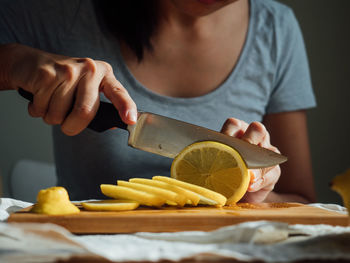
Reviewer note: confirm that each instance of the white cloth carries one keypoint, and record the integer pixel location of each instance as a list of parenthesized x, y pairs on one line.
[(250, 241), (9, 205)]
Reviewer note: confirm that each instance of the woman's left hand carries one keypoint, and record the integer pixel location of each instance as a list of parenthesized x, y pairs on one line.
[(265, 178)]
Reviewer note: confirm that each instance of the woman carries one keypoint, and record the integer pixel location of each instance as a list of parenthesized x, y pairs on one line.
[(235, 66)]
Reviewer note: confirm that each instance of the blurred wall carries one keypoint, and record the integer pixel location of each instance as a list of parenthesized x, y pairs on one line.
[(21, 137), (325, 26), (326, 31)]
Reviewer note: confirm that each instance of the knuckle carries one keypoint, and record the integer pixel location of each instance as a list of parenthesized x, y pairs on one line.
[(89, 64), (46, 75), (53, 118), (69, 71), (36, 111), (118, 93), (258, 126), (83, 112), (108, 68), (117, 90), (234, 121)]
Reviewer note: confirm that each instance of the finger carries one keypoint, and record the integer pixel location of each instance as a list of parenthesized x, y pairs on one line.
[(44, 82), (265, 178), (60, 103), (63, 96), (120, 98), (234, 127), (86, 103), (256, 133), (41, 99)]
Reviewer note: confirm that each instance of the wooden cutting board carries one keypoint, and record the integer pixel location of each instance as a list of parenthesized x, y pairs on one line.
[(170, 219)]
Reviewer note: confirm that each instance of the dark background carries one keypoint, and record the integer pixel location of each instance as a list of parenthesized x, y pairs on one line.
[(326, 30)]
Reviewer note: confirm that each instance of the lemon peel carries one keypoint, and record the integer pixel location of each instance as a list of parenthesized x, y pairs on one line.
[(110, 205), (54, 201), (122, 192), (171, 198), (214, 166), (207, 196)]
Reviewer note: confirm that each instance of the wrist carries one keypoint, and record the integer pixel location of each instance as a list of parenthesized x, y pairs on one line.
[(6, 63)]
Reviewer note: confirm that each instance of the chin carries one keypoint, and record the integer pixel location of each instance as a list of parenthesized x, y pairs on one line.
[(200, 7)]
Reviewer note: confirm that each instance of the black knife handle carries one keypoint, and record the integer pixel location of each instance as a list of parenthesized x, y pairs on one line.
[(107, 116)]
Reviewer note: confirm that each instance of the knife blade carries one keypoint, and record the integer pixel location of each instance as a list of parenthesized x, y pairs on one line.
[(167, 137)]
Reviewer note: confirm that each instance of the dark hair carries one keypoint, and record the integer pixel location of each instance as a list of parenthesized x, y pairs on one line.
[(133, 21)]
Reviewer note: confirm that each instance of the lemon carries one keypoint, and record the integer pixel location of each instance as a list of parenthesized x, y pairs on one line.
[(122, 192), (54, 201), (110, 205), (215, 166), (190, 197), (206, 196), (172, 198), (341, 184)]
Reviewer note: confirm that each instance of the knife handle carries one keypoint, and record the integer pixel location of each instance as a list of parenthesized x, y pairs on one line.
[(107, 116)]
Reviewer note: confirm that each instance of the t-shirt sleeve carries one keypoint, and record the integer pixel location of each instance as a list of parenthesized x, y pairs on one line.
[(292, 89), (38, 23), (7, 22), (17, 23)]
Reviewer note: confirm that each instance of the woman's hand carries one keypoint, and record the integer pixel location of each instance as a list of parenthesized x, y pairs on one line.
[(265, 178), (58, 82)]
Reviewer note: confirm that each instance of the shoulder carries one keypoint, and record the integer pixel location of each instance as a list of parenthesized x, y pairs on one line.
[(273, 10), (277, 16), (281, 24)]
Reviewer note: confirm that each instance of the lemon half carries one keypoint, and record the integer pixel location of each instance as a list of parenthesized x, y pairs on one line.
[(215, 166)]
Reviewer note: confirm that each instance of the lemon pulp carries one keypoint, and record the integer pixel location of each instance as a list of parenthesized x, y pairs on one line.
[(215, 166)]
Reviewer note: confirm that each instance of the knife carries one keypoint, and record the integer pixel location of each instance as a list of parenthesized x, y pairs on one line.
[(167, 137)]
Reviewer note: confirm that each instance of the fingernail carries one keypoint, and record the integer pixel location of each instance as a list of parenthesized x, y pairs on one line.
[(132, 115)]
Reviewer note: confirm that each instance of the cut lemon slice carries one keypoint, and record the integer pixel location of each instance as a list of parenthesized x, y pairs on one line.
[(215, 166), (172, 198), (110, 205), (190, 197), (121, 192), (207, 197)]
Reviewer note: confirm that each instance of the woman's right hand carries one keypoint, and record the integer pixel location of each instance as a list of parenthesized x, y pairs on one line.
[(57, 82)]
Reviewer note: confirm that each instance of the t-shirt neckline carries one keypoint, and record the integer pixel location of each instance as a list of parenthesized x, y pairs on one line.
[(219, 91)]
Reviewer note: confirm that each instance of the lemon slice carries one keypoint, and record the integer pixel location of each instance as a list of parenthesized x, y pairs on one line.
[(215, 166), (341, 184), (191, 197), (110, 205), (172, 198), (207, 197), (121, 192)]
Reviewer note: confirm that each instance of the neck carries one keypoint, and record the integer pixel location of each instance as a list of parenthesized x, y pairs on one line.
[(200, 27)]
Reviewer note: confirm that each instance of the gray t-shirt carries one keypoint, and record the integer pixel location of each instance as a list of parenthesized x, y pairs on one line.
[(270, 76)]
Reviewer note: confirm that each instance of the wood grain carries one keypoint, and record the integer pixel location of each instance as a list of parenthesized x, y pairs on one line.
[(170, 219)]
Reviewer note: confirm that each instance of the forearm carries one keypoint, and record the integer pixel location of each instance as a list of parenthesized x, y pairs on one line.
[(274, 197), (6, 61)]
